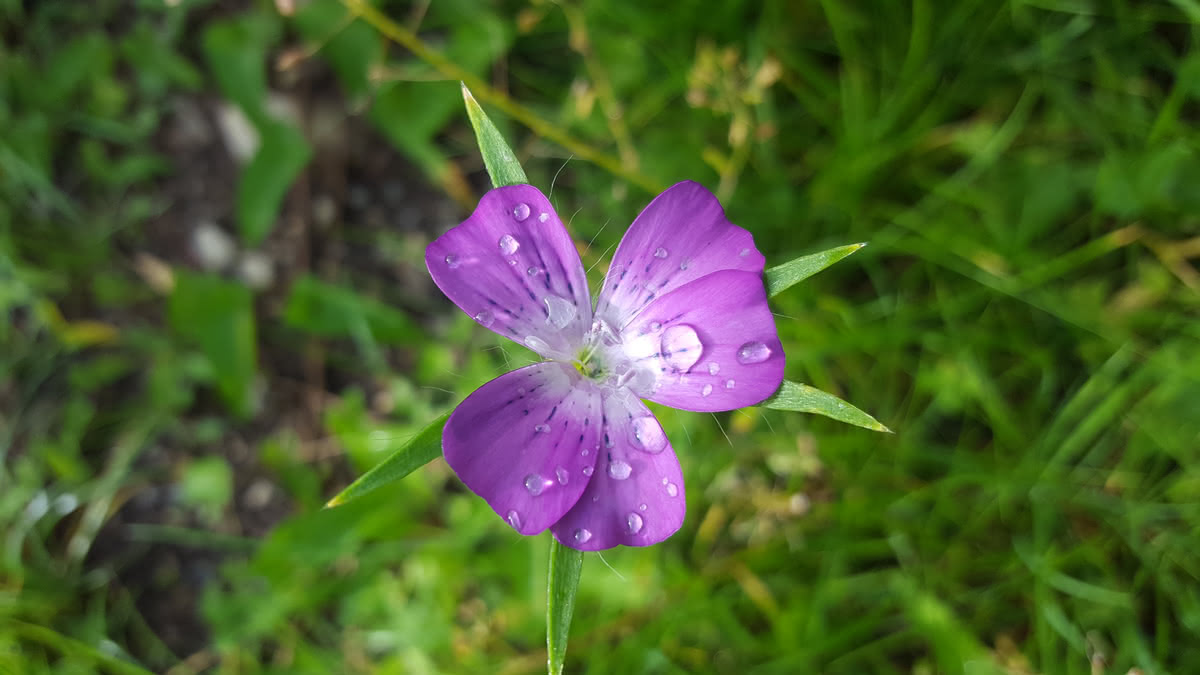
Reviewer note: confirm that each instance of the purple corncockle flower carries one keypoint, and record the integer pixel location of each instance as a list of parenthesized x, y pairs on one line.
[(681, 320)]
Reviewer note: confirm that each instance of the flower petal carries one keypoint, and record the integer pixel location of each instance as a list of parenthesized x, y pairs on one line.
[(679, 237), (636, 497), (514, 269), (711, 344), (527, 443)]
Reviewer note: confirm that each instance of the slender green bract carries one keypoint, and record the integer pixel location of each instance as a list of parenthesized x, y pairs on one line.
[(561, 584), (421, 450), (803, 398), (502, 165), (782, 277)]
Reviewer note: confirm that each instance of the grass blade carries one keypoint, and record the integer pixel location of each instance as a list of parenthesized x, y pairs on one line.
[(782, 277), (561, 584), (416, 453), (803, 398), (502, 165)]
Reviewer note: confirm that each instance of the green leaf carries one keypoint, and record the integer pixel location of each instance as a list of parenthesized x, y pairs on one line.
[(416, 453), (803, 398), (561, 584), (218, 316), (279, 160), (329, 310), (502, 165), (782, 277)]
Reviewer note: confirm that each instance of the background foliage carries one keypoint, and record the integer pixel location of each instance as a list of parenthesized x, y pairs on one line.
[(216, 315)]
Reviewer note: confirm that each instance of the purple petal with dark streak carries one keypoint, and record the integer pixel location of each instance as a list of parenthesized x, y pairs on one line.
[(636, 496), (526, 442), (712, 342), (513, 268), (679, 237)]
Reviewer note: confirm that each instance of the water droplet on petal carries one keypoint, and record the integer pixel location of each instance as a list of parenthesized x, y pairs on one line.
[(619, 470), (681, 346), (451, 260), (660, 253), (672, 490), (542, 428), (562, 475), (535, 484), (513, 262), (714, 368), (543, 217), (520, 212), (634, 523), (655, 326), (514, 519), (587, 470), (537, 344), (585, 452), (582, 535), (533, 271), (685, 264), (485, 317), (641, 507), (706, 390), (559, 311), (753, 352), (729, 384), (744, 252), (520, 391), (649, 434), (508, 244)]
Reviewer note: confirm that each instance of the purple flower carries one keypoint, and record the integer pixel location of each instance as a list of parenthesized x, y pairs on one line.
[(682, 320)]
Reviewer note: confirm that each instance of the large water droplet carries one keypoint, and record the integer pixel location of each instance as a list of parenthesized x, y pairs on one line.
[(508, 244), (587, 470), (714, 368), (543, 217), (649, 434), (706, 390), (451, 260), (681, 346), (619, 469), (560, 311), (660, 253), (753, 352), (729, 384), (542, 428), (537, 344), (582, 535), (485, 317), (562, 475), (534, 483), (633, 522), (514, 519), (520, 212), (672, 490)]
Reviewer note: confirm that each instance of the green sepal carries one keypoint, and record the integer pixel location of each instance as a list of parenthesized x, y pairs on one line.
[(803, 398), (561, 584), (416, 453), (502, 165), (782, 277)]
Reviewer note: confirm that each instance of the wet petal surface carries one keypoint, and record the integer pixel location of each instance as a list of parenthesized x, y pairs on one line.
[(679, 237), (527, 443), (513, 268), (712, 344), (636, 496)]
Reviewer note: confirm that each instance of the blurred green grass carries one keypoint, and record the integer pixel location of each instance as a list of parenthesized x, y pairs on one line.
[(1025, 319)]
